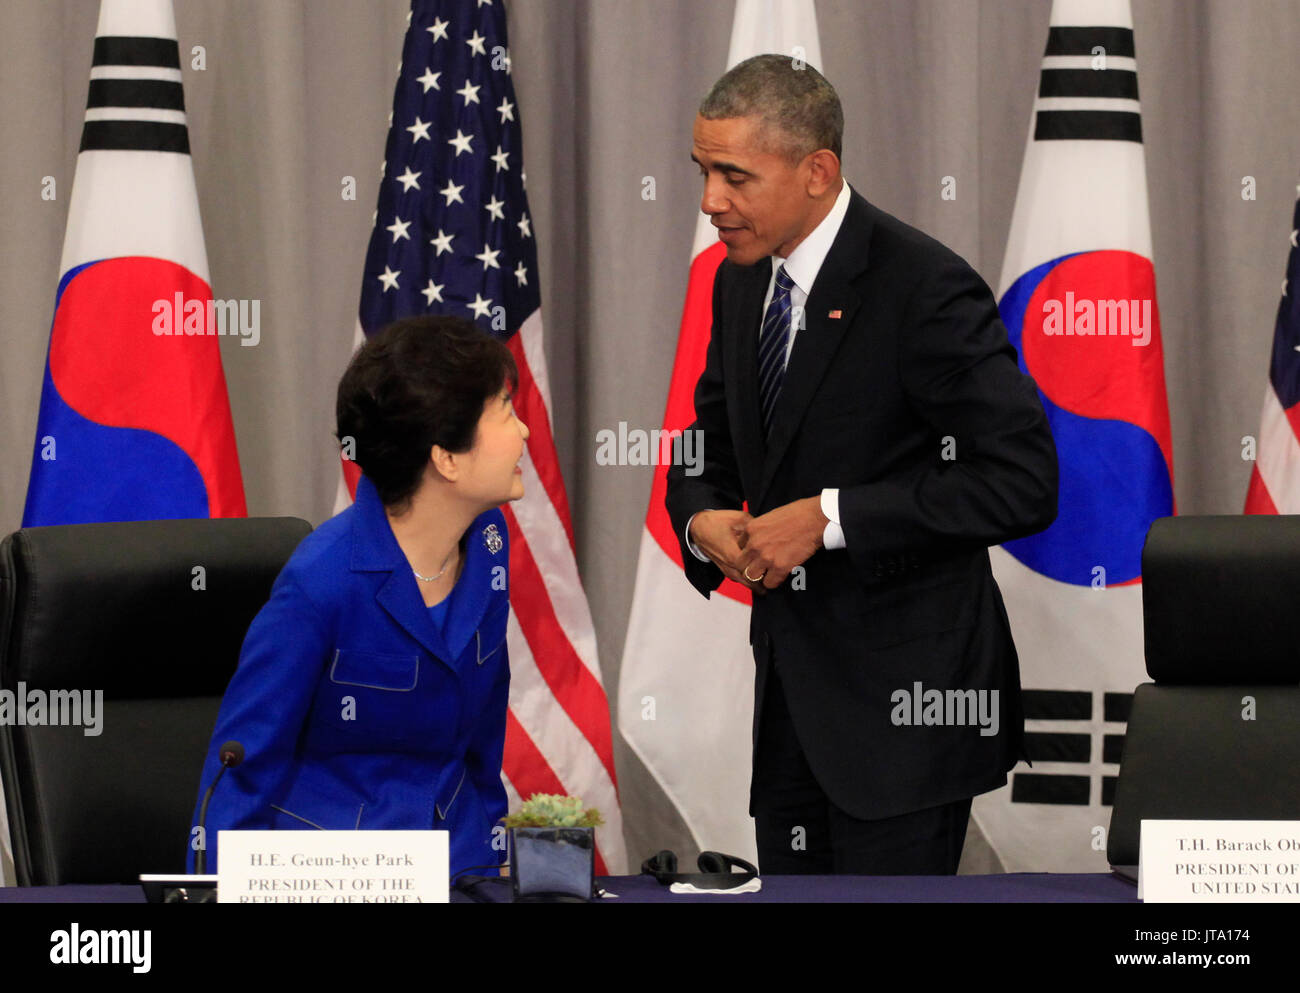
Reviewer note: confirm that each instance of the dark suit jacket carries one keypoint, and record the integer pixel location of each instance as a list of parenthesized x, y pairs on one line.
[(354, 710), (917, 366)]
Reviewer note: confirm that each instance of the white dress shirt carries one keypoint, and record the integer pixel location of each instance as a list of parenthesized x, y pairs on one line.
[(802, 267)]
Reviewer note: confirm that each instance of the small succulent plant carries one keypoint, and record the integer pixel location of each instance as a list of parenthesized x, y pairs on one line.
[(553, 810)]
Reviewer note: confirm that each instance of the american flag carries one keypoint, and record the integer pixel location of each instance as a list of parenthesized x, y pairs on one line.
[(1275, 478), (453, 235)]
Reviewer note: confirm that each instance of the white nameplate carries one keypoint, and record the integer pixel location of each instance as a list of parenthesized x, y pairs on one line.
[(1219, 862), (332, 867)]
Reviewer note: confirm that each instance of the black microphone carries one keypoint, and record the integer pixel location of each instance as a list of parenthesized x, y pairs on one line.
[(231, 754)]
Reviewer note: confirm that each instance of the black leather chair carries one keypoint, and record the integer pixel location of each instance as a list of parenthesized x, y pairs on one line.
[(1219, 595), (151, 613)]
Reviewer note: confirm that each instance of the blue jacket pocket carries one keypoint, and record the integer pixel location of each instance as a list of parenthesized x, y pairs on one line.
[(371, 698), (310, 803), (372, 670)]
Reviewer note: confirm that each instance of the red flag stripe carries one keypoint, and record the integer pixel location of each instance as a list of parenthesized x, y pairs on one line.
[(351, 473), (570, 681), (524, 762), (531, 408), (679, 412), (1258, 499)]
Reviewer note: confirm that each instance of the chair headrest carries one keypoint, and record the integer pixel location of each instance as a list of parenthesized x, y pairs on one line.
[(141, 609), (1218, 595)]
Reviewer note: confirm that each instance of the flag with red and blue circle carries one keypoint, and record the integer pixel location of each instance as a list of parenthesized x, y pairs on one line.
[(135, 421)]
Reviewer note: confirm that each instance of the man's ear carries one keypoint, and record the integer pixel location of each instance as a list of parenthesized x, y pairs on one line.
[(445, 463), (824, 170)]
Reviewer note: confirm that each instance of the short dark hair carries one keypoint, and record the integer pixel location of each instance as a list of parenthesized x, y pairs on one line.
[(798, 110), (419, 382)]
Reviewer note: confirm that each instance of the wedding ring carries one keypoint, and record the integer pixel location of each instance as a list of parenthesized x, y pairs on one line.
[(754, 579)]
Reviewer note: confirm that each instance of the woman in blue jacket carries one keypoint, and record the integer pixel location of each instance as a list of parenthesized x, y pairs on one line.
[(371, 689)]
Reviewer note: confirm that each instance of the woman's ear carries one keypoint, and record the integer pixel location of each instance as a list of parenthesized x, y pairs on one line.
[(445, 463)]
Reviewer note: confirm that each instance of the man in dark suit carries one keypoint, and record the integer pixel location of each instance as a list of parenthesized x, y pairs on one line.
[(867, 433)]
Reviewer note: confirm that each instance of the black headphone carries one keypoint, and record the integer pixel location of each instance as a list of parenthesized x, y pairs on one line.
[(715, 870)]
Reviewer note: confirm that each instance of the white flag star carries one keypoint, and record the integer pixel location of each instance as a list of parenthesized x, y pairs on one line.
[(521, 274), (419, 129), (506, 110), (480, 306), (475, 43), (488, 257), (501, 159), (452, 192), (439, 29), (433, 292), (524, 227), (430, 80), (408, 180), (442, 243), (470, 93), (389, 278), (398, 227), (461, 141), (494, 206)]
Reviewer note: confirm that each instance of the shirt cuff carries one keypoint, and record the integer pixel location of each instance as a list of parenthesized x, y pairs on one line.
[(690, 544), (833, 536)]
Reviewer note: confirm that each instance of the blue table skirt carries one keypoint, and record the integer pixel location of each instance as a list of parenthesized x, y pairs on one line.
[(1006, 888)]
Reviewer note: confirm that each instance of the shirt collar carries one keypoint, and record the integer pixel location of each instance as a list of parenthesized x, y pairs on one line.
[(806, 260)]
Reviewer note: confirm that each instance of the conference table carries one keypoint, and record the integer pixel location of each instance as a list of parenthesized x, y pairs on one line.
[(1019, 887)]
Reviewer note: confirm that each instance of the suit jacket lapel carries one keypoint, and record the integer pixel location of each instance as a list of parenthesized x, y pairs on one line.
[(746, 413), (817, 341), (401, 598), (375, 549), (470, 597)]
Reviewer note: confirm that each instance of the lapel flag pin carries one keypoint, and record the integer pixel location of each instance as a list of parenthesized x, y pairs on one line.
[(835, 315)]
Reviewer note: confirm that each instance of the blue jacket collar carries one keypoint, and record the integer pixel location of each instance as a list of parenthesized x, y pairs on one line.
[(375, 549)]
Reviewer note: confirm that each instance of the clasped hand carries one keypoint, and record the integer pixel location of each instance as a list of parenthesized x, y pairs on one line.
[(760, 552)]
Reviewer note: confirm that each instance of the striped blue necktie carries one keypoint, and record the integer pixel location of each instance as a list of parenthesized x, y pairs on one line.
[(772, 347)]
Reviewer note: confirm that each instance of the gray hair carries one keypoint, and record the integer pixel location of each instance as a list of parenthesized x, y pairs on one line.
[(798, 110)]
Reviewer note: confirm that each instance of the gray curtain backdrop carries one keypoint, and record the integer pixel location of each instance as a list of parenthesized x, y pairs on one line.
[(295, 96)]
